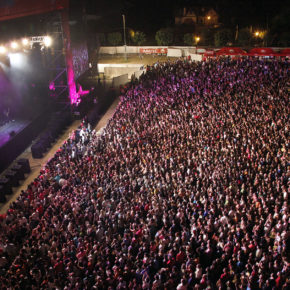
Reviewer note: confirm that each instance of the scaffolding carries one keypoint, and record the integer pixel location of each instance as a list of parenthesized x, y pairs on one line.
[(55, 59)]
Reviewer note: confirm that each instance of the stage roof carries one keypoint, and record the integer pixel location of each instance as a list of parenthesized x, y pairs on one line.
[(11, 9)]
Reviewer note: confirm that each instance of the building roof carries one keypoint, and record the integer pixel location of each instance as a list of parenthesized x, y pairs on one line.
[(195, 11)]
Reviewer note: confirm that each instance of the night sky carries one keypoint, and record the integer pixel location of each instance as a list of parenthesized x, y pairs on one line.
[(151, 15)]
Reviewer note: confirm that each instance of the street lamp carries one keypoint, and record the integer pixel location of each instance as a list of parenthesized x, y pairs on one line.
[(197, 39), (260, 35), (124, 28)]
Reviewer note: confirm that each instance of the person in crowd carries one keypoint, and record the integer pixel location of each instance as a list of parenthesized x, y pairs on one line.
[(186, 188)]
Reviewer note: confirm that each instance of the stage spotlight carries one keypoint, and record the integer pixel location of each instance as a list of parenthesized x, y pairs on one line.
[(25, 41), (14, 45), (18, 60), (2, 49), (47, 41)]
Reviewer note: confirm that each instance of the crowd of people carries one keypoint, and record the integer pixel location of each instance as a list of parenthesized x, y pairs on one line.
[(185, 188)]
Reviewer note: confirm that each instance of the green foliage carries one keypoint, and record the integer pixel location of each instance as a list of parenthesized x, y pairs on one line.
[(223, 37), (244, 37), (284, 39), (114, 38), (206, 36), (164, 37), (279, 29), (139, 37), (188, 39)]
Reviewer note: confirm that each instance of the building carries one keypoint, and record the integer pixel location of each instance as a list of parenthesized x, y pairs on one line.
[(200, 16)]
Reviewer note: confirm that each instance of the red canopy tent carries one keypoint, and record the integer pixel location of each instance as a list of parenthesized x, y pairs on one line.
[(285, 52), (231, 51), (209, 53), (262, 51)]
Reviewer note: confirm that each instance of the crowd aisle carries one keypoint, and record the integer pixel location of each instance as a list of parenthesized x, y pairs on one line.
[(186, 188)]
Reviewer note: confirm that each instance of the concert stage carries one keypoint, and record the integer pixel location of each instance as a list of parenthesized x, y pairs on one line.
[(16, 136), (10, 129)]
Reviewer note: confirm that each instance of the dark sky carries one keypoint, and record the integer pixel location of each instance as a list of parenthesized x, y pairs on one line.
[(151, 15)]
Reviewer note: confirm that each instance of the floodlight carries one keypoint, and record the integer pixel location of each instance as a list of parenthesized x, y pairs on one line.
[(19, 60), (14, 45), (25, 41), (47, 41), (2, 49)]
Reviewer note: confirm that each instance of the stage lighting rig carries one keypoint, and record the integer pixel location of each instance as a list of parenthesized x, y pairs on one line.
[(14, 45), (25, 41), (47, 41), (2, 49)]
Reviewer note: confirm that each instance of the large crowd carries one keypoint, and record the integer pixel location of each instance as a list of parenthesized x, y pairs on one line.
[(185, 188)]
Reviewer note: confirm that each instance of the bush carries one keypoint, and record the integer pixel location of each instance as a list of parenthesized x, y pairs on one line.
[(222, 37), (114, 38), (284, 39), (206, 36), (188, 39), (244, 37), (138, 37), (164, 37)]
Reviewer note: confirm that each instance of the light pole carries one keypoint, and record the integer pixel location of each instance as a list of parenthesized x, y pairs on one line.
[(124, 28)]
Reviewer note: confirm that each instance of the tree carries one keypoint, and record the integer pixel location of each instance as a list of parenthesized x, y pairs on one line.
[(164, 37), (101, 38), (244, 37), (207, 36), (280, 27), (138, 37), (284, 39), (188, 39), (222, 37), (114, 38)]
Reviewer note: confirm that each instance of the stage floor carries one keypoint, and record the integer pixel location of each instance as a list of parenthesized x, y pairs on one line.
[(13, 126)]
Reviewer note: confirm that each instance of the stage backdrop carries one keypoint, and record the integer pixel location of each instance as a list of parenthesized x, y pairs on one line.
[(80, 58), (10, 9)]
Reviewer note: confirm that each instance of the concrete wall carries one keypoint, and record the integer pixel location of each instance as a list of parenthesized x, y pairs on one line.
[(121, 49), (108, 50), (196, 57), (120, 80), (172, 52), (111, 72), (138, 73), (136, 49), (101, 66)]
